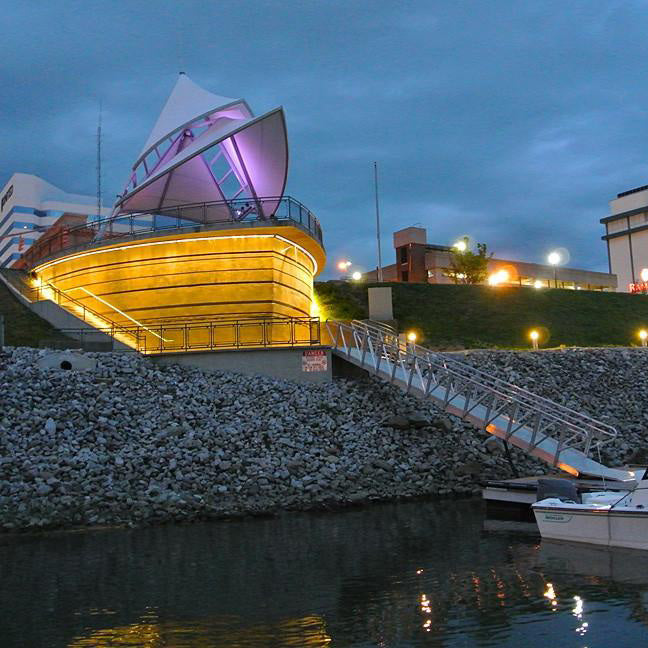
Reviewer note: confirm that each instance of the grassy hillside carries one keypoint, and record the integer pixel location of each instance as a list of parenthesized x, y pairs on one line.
[(483, 316), (22, 327)]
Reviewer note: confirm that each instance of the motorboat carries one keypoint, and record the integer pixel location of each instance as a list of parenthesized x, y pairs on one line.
[(609, 518)]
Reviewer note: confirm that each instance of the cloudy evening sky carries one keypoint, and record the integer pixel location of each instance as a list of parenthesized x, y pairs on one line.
[(512, 122)]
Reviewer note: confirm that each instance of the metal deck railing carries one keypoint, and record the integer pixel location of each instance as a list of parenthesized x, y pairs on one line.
[(191, 217), (557, 434), (207, 335)]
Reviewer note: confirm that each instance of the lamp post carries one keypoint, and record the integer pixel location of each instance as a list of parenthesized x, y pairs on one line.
[(554, 259), (379, 272), (534, 335)]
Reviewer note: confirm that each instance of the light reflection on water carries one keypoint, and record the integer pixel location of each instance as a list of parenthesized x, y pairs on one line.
[(416, 574), (227, 632)]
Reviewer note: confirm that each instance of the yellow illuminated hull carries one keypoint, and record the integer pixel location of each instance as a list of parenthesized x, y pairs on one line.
[(233, 273)]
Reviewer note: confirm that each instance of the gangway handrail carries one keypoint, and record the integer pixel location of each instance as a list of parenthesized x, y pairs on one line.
[(376, 326), (536, 424), (520, 392)]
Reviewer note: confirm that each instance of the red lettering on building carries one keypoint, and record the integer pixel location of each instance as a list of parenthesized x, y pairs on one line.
[(638, 288)]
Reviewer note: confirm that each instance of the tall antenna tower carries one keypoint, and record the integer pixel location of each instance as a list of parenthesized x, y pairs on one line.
[(99, 163)]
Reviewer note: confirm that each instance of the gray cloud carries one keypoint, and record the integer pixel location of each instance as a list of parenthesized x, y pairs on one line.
[(512, 122)]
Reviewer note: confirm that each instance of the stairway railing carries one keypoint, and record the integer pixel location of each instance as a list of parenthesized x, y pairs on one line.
[(18, 280)]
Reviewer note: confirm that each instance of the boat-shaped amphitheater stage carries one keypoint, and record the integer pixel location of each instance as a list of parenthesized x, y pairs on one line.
[(203, 250)]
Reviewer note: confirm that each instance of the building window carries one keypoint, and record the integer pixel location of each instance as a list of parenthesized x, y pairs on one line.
[(405, 275), (402, 253)]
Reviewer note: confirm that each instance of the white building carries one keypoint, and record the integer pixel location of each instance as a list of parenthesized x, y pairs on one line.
[(626, 234), (28, 204)]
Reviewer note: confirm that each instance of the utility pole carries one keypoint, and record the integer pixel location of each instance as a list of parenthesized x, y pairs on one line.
[(380, 272)]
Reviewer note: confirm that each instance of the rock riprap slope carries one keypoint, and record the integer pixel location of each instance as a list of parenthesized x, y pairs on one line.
[(131, 443)]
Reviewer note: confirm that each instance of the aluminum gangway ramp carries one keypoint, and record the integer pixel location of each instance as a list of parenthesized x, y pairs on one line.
[(540, 427)]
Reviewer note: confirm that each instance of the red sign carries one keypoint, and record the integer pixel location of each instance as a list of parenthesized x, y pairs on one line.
[(314, 361), (636, 288)]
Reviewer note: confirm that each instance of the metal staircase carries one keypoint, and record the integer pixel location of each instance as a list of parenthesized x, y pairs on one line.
[(540, 427)]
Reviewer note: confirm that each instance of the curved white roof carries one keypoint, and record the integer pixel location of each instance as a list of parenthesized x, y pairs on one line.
[(186, 103), (209, 148)]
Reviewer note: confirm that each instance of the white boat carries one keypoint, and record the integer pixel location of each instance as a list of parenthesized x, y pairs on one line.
[(609, 518)]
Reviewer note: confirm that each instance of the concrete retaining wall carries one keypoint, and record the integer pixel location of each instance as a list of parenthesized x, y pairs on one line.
[(290, 364)]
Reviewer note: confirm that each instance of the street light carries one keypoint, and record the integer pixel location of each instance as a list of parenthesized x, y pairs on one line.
[(537, 284), (343, 266), (643, 335), (356, 276), (554, 259), (461, 246), (411, 337), (644, 275), (534, 335)]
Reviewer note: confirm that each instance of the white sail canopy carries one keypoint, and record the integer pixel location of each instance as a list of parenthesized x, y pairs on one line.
[(186, 103), (206, 148)]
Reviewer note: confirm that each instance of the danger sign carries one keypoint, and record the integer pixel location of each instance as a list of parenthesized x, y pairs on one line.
[(314, 361)]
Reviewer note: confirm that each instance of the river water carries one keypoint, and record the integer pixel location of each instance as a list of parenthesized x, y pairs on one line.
[(414, 574)]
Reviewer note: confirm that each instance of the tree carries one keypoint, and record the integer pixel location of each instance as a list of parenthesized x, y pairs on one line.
[(466, 266)]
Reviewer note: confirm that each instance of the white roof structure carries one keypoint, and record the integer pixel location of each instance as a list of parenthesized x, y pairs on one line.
[(208, 148)]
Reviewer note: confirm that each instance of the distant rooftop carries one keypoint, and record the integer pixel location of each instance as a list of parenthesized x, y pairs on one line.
[(631, 191)]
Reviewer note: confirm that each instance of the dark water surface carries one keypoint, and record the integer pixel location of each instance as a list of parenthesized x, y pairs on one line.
[(417, 574)]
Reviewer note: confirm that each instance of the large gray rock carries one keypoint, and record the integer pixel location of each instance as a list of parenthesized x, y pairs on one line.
[(398, 422), (418, 420), (494, 445)]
